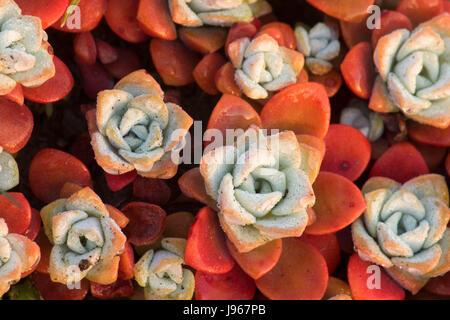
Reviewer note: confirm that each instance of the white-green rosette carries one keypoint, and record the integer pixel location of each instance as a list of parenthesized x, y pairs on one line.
[(24, 50), (358, 116), (9, 172), (319, 45), (161, 273), (404, 228), (261, 186), (263, 66), (224, 13), (414, 73)]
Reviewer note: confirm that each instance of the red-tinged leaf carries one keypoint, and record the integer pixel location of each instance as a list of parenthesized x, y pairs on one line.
[(240, 30), (69, 189), (178, 224), (224, 80), (328, 246), (119, 289), (86, 107), (300, 274), (50, 169), (50, 290), (429, 135), (206, 249), (401, 162), (155, 20), (433, 156), (126, 62), (16, 95), (257, 23), (95, 79), (439, 285), (332, 81), (259, 261), (176, 71), (192, 185), (90, 13), (118, 216), (204, 40), (339, 202), (347, 10), (46, 249), (82, 149), (17, 213), (172, 95), (419, 11), (232, 112), (304, 77), (53, 89), (16, 125), (363, 288), (126, 263), (49, 11), (347, 151), (205, 72), (147, 222), (117, 182), (121, 18), (447, 164), (34, 226), (303, 108), (154, 191), (282, 32), (390, 21), (354, 33), (233, 285), (358, 70), (84, 47), (105, 52), (345, 239)]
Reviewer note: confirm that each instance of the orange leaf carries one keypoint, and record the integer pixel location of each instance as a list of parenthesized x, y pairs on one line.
[(204, 39), (347, 10), (205, 72), (176, 71), (154, 18), (53, 89), (348, 151), (300, 274), (50, 169), (358, 274), (259, 261), (303, 108), (121, 18), (17, 125), (339, 202), (358, 70)]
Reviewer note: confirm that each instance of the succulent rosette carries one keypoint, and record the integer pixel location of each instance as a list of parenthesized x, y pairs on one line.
[(357, 115), (414, 73), (263, 66), (261, 186), (196, 13), (404, 228), (161, 272), (25, 55), (134, 129), (18, 256), (86, 241), (9, 172), (319, 45)]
